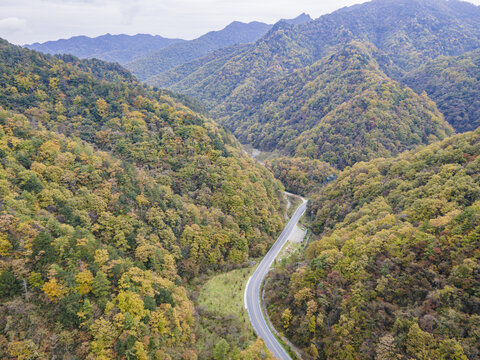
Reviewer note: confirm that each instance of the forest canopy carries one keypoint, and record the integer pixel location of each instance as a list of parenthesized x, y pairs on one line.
[(395, 272), (113, 196)]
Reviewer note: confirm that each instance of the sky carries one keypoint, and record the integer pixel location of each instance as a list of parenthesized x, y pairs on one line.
[(28, 21)]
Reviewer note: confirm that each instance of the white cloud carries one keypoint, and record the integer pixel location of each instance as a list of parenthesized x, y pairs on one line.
[(12, 25)]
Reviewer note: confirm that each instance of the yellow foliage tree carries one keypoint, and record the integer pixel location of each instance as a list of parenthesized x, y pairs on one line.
[(84, 282), (5, 246), (54, 290), (101, 257), (102, 107), (286, 318), (128, 301)]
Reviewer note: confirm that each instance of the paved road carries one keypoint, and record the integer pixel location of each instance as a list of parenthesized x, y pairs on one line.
[(252, 291)]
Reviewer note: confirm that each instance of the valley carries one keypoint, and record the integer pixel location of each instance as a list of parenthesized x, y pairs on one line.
[(308, 188)]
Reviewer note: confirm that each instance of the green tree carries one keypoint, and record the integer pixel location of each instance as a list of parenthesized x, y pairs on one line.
[(221, 350), (101, 285), (9, 285)]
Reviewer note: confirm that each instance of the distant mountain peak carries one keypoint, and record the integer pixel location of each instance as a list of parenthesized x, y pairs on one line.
[(300, 19)]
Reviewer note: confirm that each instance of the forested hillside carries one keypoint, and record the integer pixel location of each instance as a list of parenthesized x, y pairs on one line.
[(282, 50), (454, 84), (188, 74), (302, 176), (250, 90), (114, 48), (395, 273), (407, 32), (341, 110), (113, 195)]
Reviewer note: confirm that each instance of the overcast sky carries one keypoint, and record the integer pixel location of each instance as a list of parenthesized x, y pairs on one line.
[(27, 21)]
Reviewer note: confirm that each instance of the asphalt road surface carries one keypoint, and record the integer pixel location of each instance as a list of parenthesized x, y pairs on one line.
[(252, 291)]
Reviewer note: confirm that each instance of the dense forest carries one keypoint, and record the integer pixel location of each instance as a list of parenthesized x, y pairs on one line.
[(113, 195), (267, 92), (395, 274), (341, 110), (302, 176), (454, 84)]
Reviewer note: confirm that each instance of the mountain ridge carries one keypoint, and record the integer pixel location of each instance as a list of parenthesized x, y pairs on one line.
[(178, 54), (303, 113), (119, 48)]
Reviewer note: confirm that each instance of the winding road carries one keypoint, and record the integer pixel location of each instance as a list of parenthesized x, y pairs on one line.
[(253, 302)]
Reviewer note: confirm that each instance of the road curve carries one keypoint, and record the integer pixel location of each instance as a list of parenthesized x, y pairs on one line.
[(252, 291)]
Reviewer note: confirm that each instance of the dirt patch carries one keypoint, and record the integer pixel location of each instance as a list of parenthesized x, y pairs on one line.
[(297, 235)]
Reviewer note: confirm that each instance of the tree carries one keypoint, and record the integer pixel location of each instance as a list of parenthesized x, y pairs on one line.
[(130, 302), (286, 318), (386, 348), (54, 290), (221, 350), (5, 246), (102, 107), (256, 351), (9, 285), (84, 280), (43, 252), (101, 285)]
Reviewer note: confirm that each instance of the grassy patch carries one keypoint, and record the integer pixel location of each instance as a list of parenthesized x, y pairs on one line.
[(224, 293), (289, 249)]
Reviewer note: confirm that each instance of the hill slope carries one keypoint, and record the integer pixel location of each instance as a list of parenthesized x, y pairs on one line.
[(113, 48), (454, 84), (112, 194), (395, 273), (407, 32)]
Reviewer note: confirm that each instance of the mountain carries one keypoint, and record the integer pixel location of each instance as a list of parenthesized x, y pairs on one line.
[(454, 84), (394, 272), (113, 196), (408, 32), (241, 69), (342, 109), (119, 201), (405, 35), (360, 113), (190, 73), (113, 48), (177, 54)]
